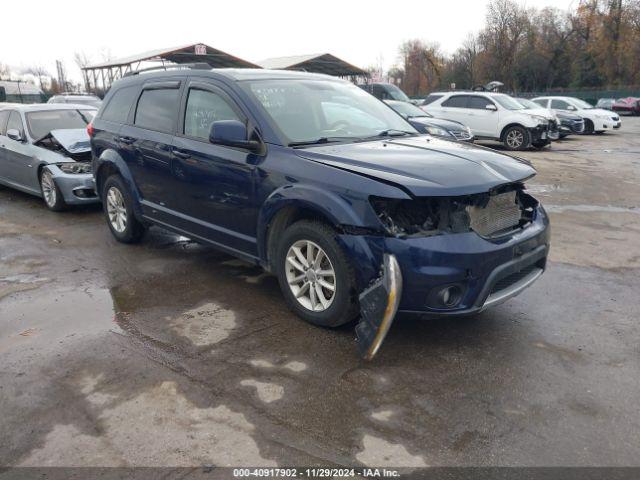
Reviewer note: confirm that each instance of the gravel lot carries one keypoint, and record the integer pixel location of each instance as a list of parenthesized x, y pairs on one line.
[(169, 353)]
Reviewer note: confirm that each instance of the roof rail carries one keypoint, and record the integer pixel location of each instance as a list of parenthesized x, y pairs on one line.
[(190, 66)]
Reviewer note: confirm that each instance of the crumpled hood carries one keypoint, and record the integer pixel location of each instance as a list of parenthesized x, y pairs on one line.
[(73, 140), (425, 165), (541, 112)]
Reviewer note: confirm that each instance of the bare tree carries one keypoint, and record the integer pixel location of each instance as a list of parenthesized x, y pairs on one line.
[(5, 71), (40, 73), (423, 65)]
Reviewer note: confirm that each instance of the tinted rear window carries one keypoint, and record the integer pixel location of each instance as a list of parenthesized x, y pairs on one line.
[(118, 108), (457, 101), (431, 98), (157, 109)]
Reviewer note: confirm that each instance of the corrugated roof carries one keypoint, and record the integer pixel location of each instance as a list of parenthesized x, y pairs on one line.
[(182, 54), (317, 63), (11, 88)]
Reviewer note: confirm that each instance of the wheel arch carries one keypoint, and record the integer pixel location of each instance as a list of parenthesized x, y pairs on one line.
[(289, 204), (111, 163), (508, 126)]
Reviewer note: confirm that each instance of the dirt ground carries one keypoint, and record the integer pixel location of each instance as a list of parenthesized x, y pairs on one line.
[(169, 353)]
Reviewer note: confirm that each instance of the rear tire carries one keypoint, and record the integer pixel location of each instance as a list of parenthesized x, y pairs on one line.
[(516, 138), (118, 209), (51, 194), (296, 270)]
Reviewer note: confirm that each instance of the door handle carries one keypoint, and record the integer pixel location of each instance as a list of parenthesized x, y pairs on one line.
[(127, 140), (181, 154)]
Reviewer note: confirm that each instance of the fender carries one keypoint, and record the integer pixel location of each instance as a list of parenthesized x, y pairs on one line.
[(111, 158), (326, 203)]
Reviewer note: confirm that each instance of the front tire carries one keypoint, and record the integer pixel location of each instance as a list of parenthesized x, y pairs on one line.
[(315, 276), (588, 127), (516, 138), (118, 210), (51, 194)]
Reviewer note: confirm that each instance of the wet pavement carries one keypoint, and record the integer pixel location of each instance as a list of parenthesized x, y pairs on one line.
[(170, 353)]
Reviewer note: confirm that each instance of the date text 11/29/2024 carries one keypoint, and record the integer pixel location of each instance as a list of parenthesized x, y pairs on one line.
[(316, 472)]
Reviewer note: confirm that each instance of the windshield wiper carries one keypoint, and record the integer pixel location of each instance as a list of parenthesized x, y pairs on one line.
[(320, 141), (391, 132)]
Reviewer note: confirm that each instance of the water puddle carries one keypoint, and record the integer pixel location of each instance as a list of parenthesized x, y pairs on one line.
[(54, 313)]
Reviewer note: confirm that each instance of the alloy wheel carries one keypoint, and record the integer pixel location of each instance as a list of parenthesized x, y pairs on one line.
[(310, 275), (48, 188), (116, 210), (515, 138)]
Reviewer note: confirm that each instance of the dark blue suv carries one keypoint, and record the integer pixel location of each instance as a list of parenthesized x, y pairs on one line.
[(322, 184)]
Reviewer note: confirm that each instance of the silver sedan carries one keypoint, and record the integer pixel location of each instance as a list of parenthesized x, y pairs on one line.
[(45, 151)]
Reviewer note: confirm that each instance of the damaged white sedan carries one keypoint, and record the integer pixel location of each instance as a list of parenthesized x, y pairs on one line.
[(45, 151)]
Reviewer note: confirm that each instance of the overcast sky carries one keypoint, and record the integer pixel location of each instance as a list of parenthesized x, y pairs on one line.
[(360, 32)]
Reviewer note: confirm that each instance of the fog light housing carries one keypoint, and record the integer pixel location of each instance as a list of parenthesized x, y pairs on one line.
[(446, 296)]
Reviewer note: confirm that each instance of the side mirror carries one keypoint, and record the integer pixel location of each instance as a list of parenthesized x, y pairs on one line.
[(14, 134), (232, 133), (571, 108), (491, 107)]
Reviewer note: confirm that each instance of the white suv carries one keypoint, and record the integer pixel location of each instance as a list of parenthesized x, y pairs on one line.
[(493, 116), (595, 119)]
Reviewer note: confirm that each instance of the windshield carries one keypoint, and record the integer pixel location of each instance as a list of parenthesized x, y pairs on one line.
[(42, 122), (313, 110), (408, 109), (576, 102), (528, 104), (397, 94), (508, 102)]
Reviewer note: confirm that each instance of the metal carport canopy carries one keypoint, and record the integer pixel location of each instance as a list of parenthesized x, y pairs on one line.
[(316, 63), (192, 53)]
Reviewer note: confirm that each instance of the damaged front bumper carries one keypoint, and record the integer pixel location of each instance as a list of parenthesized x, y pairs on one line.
[(76, 188), (442, 275), (378, 307), (540, 134)]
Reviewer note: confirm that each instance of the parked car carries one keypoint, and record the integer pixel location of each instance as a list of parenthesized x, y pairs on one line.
[(77, 99), (605, 103), (570, 123), (492, 116), (354, 216), (45, 151), (595, 119), (385, 91), (427, 123), (629, 105), (535, 109)]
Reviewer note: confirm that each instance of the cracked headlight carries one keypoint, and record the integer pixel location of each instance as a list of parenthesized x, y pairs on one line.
[(76, 167), (438, 131)]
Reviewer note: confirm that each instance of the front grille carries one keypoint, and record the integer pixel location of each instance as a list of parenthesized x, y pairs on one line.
[(509, 280), (461, 135), (502, 213)]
